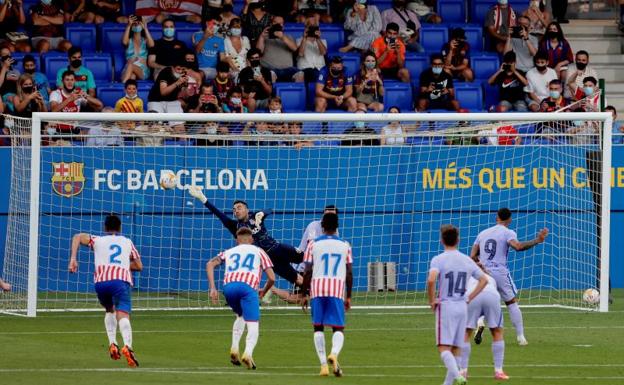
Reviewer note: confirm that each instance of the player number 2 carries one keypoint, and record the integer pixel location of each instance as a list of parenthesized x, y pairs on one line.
[(248, 262), (490, 248), (456, 287), (325, 258), (116, 252)]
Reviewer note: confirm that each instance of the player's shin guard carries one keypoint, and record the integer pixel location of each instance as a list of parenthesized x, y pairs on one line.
[(126, 331), (337, 342), (465, 355), (498, 352), (110, 322), (516, 318), (451, 365), (319, 344), (237, 332), (253, 330)]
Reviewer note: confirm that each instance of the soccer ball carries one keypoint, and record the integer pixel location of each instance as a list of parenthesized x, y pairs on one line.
[(168, 180), (591, 296)]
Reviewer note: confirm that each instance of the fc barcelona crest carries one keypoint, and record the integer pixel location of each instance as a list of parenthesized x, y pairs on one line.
[(68, 178)]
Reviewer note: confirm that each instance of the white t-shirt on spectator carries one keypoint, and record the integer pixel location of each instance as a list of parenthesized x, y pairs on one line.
[(538, 83), (312, 57), (240, 58)]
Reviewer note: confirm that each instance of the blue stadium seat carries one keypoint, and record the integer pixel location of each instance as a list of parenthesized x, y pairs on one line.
[(19, 60), (351, 62), (111, 35), (479, 9), (185, 33), (490, 94), (128, 7), (398, 94), (110, 93), (518, 6), (469, 95), (432, 38), (82, 35), (143, 91), (338, 127), (295, 30), (382, 5), (334, 35), (52, 64), (311, 94), (474, 35), (101, 64), (119, 62), (293, 96), (312, 127), (415, 64), (453, 11), (484, 65)]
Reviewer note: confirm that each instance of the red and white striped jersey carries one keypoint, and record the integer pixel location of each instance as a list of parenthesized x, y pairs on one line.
[(329, 256), (245, 263), (113, 254)]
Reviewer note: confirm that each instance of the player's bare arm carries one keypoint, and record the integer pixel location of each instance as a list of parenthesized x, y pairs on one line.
[(269, 282), (210, 266), (305, 286), (480, 286), (77, 240), (349, 284), (474, 253), (431, 289), (526, 245), (136, 264)]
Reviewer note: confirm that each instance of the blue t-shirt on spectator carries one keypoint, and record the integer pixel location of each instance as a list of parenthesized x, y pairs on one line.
[(208, 57), (334, 85)]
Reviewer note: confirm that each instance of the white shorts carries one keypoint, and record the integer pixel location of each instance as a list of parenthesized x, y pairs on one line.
[(451, 323), (485, 304), (505, 285), (167, 107)]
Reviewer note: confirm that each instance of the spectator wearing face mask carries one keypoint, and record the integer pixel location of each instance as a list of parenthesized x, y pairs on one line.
[(369, 88), (166, 49), (236, 48), (277, 50), (555, 100), (334, 88), (498, 22), (538, 79), (559, 51), (212, 9), (28, 99), (311, 51), (40, 80), (361, 128), (582, 69), (436, 87), (255, 20), (130, 102), (234, 104), (588, 95), (83, 76), (137, 39), (70, 98), (256, 82)]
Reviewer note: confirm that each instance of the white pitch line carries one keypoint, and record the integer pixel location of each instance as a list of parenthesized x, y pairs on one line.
[(298, 330), (282, 374)]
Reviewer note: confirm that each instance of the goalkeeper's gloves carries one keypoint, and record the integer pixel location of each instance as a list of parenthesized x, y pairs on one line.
[(197, 193), (258, 217)]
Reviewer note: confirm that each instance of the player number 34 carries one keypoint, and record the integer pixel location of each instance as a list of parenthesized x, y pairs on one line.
[(248, 262)]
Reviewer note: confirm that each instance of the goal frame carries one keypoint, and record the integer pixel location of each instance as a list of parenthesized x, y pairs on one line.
[(39, 118)]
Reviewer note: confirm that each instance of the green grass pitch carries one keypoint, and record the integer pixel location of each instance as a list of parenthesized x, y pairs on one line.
[(381, 347)]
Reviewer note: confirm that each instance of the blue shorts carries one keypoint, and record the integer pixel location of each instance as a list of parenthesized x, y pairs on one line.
[(328, 311), (114, 294), (243, 300)]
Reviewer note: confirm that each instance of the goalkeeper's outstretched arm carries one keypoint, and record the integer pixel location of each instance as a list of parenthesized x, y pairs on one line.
[(228, 222)]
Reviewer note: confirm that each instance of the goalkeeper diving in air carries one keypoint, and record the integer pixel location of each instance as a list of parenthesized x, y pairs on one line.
[(282, 255)]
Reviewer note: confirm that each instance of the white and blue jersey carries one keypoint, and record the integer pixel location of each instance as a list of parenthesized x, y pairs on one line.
[(493, 253), (486, 304), (329, 257), (454, 269)]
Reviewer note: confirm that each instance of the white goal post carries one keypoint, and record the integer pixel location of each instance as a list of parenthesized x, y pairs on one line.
[(392, 199)]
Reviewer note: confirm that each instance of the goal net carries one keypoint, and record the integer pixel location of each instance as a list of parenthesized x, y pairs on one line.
[(395, 179)]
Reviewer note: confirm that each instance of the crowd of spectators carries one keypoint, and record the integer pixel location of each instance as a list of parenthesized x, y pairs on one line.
[(233, 61)]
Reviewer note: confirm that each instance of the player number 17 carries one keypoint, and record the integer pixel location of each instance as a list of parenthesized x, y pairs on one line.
[(325, 258)]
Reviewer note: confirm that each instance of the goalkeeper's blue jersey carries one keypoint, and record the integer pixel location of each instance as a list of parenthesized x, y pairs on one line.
[(261, 235)]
